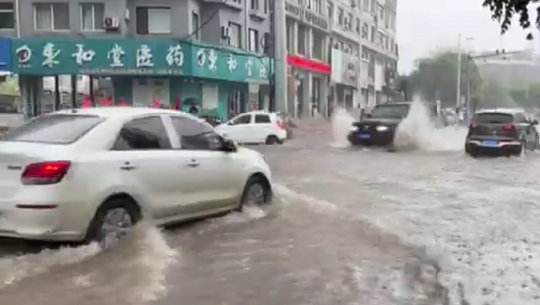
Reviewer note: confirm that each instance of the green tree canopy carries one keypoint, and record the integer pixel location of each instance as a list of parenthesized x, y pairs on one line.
[(504, 10), (491, 94), (435, 77)]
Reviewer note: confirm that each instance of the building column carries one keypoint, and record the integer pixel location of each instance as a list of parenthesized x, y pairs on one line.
[(324, 98), (309, 43), (306, 102)]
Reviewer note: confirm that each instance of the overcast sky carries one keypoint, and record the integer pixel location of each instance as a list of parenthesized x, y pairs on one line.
[(424, 26)]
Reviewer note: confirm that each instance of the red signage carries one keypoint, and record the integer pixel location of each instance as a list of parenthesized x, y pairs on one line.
[(310, 65)]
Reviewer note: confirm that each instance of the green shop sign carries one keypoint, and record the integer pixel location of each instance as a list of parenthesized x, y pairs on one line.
[(40, 56)]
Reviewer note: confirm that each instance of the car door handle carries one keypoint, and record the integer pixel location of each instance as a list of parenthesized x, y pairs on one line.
[(193, 163), (128, 167)]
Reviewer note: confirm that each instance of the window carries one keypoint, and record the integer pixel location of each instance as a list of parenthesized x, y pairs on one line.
[(365, 31), (262, 119), (302, 36), (265, 6), (195, 25), (317, 6), (318, 45), (373, 7), (235, 35), (92, 16), (366, 5), (54, 129), (153, 20), (358, 25), (143, 134), (51, 16), (195, 135), (255, 5), (330, 7), (290, 36), (241, 120), (7, 16), (340, 16), (493, 118), (348, 22), (253, 40)]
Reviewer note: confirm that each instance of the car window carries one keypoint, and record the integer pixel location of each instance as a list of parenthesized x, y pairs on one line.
[(390, 111), (243, 119), (54, 129), (262, 119), (147, 133), (493, 118), (195, 135)]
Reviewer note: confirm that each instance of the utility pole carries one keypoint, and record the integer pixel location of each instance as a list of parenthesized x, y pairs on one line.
[(280, 56), (458, 84)]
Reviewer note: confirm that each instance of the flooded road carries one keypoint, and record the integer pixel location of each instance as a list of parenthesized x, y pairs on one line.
[(349, 226)]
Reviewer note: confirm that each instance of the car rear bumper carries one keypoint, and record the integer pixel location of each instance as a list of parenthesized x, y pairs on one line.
[(500, 144), (43, 222)]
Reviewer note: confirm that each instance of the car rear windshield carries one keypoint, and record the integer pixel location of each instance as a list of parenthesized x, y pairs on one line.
[(493, 118), (54, 129), (397, 111)]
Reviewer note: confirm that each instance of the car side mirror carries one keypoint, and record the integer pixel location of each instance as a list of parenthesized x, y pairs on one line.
[(229, 146)]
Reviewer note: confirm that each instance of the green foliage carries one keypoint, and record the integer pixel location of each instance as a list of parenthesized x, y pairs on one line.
[(9, 87), (491, 94), (504, 10), (528, 96), (435, 77)]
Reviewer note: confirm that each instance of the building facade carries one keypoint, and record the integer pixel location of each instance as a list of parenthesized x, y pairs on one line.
[(379, 51), (173, 52), (340, 52)]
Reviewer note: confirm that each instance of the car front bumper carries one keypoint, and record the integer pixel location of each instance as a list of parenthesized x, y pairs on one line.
[(384, 138)]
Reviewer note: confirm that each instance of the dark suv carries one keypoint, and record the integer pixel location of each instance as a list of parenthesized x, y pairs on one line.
[(506, 131)]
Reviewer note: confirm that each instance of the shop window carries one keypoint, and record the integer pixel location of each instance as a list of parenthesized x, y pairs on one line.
[(7, 16), (318, 45), (302, 35), (153, 20), (92, 15), (51, 16)]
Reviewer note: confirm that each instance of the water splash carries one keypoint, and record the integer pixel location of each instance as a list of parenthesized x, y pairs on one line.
[(341, 125), (132, 273), (418, 132)]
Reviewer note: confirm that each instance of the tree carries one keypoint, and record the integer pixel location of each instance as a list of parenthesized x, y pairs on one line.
[(435, 77), (491, 94), (504, 10), (527, 96)]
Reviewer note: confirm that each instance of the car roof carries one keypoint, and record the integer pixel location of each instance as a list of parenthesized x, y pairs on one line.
[(122, 112), (511, 111)]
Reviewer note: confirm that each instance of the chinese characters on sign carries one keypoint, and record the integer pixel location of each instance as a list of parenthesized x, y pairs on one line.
[(37, 56)]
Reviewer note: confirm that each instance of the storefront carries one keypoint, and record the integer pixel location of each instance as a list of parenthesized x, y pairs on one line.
[(307, 86), (345, 80), (168, 73)]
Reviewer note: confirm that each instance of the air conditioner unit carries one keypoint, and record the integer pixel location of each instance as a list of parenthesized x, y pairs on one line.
[(225, 32), (111, 23)]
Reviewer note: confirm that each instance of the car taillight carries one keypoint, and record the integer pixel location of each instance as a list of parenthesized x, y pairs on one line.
[(280, 125), (473, 126), (45, 173), (509, 127)]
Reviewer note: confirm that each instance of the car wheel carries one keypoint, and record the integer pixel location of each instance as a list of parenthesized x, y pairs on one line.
[(112, 222), (256, 192), (272, 140), (522, 149)]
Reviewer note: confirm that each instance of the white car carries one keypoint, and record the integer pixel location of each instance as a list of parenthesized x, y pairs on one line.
[(90, 174), (255, 127)]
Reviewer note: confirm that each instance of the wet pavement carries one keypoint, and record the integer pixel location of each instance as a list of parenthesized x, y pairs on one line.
[(349, 226)]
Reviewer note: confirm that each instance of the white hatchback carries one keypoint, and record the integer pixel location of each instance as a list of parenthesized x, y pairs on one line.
[(91, 174), (255, 127)]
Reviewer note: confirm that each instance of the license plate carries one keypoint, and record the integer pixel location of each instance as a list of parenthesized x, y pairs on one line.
[(490, 143), (364, 136)]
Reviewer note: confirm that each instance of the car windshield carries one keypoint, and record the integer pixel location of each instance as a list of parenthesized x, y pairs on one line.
[(396, 111), (493, 118), (54, 129)]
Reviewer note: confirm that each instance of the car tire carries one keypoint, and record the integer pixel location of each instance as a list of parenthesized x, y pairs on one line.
[(256, 183), (122, 207), (521, 150), (272, 140)]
